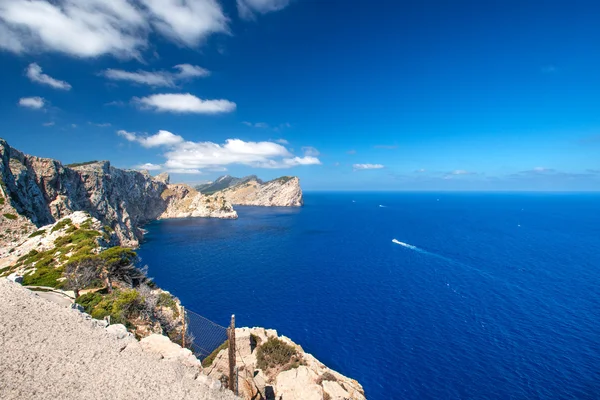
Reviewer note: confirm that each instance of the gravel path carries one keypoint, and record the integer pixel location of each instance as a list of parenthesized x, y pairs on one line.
[(51, 352)]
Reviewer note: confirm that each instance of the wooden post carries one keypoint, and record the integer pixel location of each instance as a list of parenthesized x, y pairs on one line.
[(183, 331), (231, 337)]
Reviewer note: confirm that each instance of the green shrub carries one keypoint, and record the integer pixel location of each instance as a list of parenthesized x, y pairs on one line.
[(89, 301), (166, 300), (62, 224), (10, 216), (1, 201), (73, 165), (207, 362), (274, 353), (43, 277), (121, 306), (37, 233)]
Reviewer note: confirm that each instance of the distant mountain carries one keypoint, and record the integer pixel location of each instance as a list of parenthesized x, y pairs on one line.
[(225, 182)]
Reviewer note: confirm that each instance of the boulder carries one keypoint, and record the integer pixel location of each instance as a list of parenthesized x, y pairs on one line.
[(168, 350), (118, 330), (298, 384)]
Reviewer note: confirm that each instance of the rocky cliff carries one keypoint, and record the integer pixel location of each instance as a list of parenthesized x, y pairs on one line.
[(38, 191), (281, 192), (264, 374)]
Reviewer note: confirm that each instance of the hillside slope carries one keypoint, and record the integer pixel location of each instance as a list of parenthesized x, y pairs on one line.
[(50, 352)]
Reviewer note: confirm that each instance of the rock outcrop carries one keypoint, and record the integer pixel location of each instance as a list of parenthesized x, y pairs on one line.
[(53, 352), (38, 191), (280, 192), (303, 378), (184, 201)]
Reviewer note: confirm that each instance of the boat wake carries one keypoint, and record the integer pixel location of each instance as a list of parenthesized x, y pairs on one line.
[(408, 246)]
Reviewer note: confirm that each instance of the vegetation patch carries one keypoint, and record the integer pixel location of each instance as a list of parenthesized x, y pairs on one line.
[(121, 306), (37, 233), (166, 300), (1, 201), (274, 353), (62, 224), (283, 179), (10, 216), (44, 277), (73, 165), (207, 362), (88, 301), (327, 376)]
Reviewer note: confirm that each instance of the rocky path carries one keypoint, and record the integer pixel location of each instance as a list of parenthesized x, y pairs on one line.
[(51, 352)]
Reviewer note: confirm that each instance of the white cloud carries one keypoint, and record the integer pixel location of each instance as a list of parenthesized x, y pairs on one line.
[(191, 71), (148, 167), (162, 138), (262, 125), (51, 123), (185, 103), (282, 141), (32, 102), (192, 157), (73, 126), (351, 152), (115, 103), (34, 72), (460, 172), (187, 21), (157, 78), (127, 135), (184, 171), (92, 28), (102, 125), (421, 170), (367, 166), (248, 8), (310, 151)]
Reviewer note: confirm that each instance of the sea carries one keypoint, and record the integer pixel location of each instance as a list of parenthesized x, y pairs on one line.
[(415, 295)]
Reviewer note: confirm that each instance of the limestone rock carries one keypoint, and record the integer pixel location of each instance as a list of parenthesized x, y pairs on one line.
[(282, 192), (183, 201), (309, 379), (168, 350), (118, 330), (35, 192), (299, 383)]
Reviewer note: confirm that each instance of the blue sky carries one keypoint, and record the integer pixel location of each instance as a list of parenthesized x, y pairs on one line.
[(361, 95)]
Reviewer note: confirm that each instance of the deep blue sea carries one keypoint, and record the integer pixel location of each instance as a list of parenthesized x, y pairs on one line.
[(498, 299)]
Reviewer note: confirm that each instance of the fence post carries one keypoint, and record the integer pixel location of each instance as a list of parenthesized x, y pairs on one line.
[(231, 337), (184, 330)]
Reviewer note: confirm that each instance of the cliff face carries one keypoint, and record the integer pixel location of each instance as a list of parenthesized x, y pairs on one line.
[(281, 192), (42, 190), (303, 378)]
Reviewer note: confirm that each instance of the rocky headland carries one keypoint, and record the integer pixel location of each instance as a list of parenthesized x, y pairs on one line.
[(251, 191), (38, 191), (70, 231)]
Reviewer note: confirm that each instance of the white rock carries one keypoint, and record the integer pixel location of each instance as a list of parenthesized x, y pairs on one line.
[(118, 330), (335, 391), (170, 351), (298, 384)]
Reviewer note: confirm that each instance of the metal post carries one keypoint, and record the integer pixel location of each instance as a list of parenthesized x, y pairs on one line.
[(231, 337), (183, 329)]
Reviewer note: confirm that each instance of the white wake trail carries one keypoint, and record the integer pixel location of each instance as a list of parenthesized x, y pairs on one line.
[(408, 246)]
